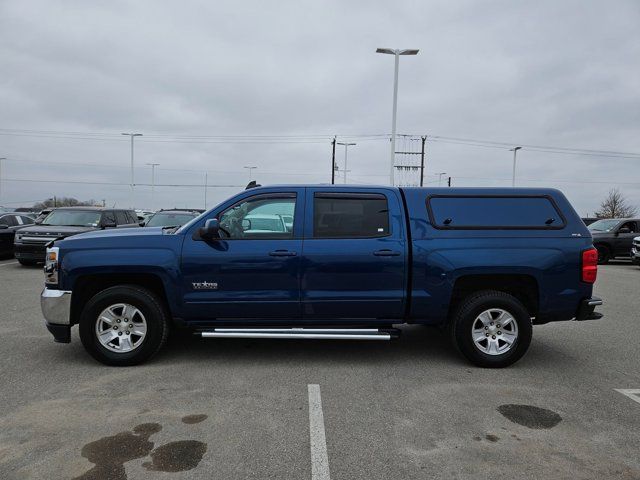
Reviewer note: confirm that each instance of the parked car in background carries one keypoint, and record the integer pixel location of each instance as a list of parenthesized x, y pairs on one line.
[(143, 215), (171, 218), (613, 237), (30, 242), (635, 251), (486, 263), (43, 214), (9, 223)]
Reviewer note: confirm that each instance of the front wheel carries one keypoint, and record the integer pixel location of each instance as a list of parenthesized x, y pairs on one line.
[(124, 325), (491, 329)]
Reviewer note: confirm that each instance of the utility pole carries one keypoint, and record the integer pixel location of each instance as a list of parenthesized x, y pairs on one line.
[(424, 139), (1, 159), (132, 135), (205, 190), (346, 145), (333, 161), (440, 178), (250, 169), (396, 52), (513, 177), (153, 183)]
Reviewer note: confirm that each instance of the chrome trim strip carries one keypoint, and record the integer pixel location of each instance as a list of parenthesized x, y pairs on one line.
[(594, 302), (299, 330), (298, 335)]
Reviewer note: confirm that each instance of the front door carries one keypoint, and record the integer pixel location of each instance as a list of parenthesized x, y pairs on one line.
[(354, 255), (253, 270), (623, 240)]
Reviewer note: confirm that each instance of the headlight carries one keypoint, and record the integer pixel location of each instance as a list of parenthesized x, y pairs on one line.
[(18, 237), (51, 265)]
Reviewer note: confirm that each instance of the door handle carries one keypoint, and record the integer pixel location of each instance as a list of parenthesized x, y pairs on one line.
[(282, 253), (386, 253)]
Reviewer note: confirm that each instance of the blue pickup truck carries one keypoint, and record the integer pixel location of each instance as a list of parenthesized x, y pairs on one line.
[(331, 262)]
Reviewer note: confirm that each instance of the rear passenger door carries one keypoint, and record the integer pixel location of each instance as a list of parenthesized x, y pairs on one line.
[(354, 254)]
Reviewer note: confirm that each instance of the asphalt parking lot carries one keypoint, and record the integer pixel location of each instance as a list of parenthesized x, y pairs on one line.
[(245, 409)]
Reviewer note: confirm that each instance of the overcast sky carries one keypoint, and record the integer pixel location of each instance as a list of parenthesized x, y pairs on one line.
[(562, 74)]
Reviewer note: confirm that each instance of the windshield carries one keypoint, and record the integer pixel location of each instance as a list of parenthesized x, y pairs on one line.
[(169, 219), (73, 218), (603, 225)]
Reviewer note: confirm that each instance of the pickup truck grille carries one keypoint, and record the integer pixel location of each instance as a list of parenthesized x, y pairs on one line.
[(39, 240)]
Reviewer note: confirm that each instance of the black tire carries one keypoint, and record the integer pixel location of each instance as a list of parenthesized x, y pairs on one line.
[(461, 325), (27, 263), (156, 316), (604, 254)]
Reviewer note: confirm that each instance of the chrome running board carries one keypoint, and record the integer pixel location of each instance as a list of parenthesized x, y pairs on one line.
[(304, 333)]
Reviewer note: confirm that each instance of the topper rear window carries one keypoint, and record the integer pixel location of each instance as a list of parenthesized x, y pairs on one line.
[(494, 212)]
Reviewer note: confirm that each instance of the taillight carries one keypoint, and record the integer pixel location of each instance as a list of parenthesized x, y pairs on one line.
[(589, 265)]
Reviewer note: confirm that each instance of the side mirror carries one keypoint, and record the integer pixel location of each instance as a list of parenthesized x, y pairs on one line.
[(4, 227), (211, 229), (624, 230), (108, 224), (142, 224), (246, 224)]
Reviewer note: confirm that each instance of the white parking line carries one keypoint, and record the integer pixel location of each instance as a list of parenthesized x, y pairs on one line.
[(632, 393), (319, 458), (8, 263)]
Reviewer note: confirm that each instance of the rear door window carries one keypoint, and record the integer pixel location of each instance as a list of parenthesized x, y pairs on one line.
[(494, 212), (338, 215)]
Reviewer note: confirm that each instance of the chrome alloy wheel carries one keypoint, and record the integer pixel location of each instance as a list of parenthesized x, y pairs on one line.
[(494, 331), (121, 328)]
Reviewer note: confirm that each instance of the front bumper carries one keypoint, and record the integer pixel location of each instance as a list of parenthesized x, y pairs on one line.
[(635, 254), (56, 308), (586, 311), (30, 251)]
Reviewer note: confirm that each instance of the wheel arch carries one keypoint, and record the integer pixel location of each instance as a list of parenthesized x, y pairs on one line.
[(86, 286), (522, 286)]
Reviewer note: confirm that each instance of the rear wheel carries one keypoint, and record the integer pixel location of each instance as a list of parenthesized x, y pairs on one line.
[(491, 329), (604, 254), (124, 325)]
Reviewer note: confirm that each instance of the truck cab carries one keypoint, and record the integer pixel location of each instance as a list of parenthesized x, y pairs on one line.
[(338, 262)]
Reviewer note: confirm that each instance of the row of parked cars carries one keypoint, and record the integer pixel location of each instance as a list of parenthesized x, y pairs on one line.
[(25, 234)]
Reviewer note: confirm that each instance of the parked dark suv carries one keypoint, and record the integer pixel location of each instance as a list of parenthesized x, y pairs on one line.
[(9, 223), (613, 237), (30, 242)]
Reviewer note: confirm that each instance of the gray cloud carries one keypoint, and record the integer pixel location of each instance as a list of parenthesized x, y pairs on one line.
[(546, 73)]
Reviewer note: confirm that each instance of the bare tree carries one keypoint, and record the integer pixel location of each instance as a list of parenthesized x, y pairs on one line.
[(615, 205), (62, 202)]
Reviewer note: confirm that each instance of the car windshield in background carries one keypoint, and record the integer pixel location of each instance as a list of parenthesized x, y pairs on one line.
[(76, 218), (603, 225), (169, 219)]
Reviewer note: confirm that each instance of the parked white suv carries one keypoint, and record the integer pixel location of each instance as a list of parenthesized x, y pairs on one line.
[(635, 251)]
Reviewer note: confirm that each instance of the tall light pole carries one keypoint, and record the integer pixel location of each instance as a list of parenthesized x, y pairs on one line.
[(396, 52), (250, 169), (440, 178), (513, 177), (1, 159), (132, 135), (153, 182), (346, 146)]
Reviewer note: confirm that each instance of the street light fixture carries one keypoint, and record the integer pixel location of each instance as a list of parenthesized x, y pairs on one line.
[(250, 169), (346, 146), (513, 177), (396, 53), (132, 135), (440, 178), (153, 182)]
